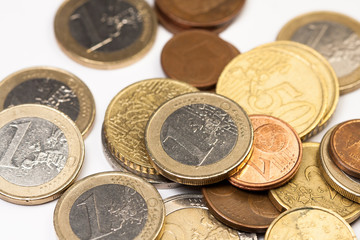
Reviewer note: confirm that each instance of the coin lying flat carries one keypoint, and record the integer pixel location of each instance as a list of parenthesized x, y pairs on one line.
[(336, 37), (42, 152), (199, 138), (242, 210), (105, 34), (110, 205), (52, 87), (276, 156), (308, 188), (187, 218), (310, 223)]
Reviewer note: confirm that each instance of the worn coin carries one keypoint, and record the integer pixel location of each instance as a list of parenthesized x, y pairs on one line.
[(310, 223), (199, 138), (308, 188), (126, 118), (239, 209), (105, 34), (276, 156), (344, 147), (41, 154), (187, 218), (52, 87), (336, 37), (344, 184), (196, 57), (110, 205), (274, 81)]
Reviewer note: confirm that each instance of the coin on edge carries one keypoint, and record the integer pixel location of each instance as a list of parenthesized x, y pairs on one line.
[(310, 223), (344, 184), (42, 152), (105, 34), (188, 218), (199, 138), (336, 37), (126, 118), (308, 188), (239, 209), (54, 88), (111, 205), (274, 81)]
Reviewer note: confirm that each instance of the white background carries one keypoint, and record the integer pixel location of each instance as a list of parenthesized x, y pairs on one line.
[(27, 39)]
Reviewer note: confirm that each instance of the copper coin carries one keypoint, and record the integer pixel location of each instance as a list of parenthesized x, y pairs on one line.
[(276, 156), (239, 209), (345, 147), (200, 13), (196, 57)]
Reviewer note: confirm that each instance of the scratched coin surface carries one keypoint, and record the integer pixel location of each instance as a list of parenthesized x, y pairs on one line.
[(199, 138), (274, 81), (310, 223), (187, 218), (196, 57), (110, 205), (344, 147), (126, 118), (276, 156), (336, 37), (52, 87), (105, 33), (309, 188), (41, 154), (239, 209)]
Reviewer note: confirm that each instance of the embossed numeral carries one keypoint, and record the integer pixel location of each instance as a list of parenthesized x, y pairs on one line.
[(313, 42)]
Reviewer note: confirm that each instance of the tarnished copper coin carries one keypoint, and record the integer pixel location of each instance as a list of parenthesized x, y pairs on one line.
[(200, 13), (239, 209), (196, 57), (345, 148), (276, 156)]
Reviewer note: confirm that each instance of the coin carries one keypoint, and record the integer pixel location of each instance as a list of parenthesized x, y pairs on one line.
[(239, 209), (160, 183), (276, 156), (52, 87), (197, 13), (344, 184), (105, 34), (42, 152), (336, 37), (199, 138), (196, 57), (187, 218), (344, 148), (308, 188), (110, 205), (310, 223), (126, 118), (274, 81)]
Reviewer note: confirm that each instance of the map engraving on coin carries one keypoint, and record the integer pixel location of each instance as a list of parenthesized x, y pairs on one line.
[(33, 151)]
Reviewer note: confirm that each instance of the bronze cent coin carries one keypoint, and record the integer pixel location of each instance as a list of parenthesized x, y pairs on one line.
[(276, 156), (344, 147), (196, 57), (239, 209)]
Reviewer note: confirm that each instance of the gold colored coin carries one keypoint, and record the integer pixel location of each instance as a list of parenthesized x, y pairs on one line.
[(110, 205), (105, 34), (336, 37), (308, 188), (310, 223), (126, 118), (41, 154), (275, 81), (52, 87), (199, 138), (343, 183)]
